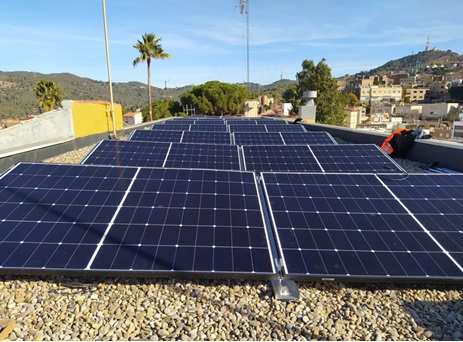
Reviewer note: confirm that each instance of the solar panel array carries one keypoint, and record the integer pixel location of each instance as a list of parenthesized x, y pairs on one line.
[(80, 218), (214, 198)]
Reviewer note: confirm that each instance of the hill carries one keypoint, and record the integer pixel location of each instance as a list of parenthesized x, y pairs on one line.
[(17, 99), (419, 61)]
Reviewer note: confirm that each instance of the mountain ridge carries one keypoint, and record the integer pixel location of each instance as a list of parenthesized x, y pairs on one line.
[(17, 99)]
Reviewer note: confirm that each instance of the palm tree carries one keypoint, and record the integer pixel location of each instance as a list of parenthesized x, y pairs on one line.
[(149, 48), (49, 95)]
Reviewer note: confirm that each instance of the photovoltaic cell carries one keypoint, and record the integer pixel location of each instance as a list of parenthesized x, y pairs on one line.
[(161, 136), (128, 153), (198, 127), (243, 138), (307, 138), (285, 128), (279, 158), (205, 156), (247, 128), (354, 158), (176, 127), (350, 225), (207, 137)]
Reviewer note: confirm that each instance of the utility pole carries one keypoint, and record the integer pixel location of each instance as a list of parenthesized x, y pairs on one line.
[(244, 9), (165, 88), (109, 69)]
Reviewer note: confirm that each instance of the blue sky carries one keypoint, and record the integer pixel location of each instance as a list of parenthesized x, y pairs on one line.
[(207, 38)]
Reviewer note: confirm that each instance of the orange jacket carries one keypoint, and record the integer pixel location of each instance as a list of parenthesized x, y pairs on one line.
[(386, 146)]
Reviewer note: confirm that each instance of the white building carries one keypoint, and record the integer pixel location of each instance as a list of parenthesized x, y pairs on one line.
[(438, 110), (133, 118), (286, 107)]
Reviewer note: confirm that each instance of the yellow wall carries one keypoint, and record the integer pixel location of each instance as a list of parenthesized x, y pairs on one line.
[(93, 117)]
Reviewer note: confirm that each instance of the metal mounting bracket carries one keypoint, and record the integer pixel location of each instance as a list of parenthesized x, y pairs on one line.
[(284, 290)]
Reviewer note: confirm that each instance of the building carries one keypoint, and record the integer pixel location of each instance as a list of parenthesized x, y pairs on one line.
[(439, 91), (355, 116), (251, 108), (417, 95), (385, 109), (133, 118), (370, 94), (409, 113), (438, 111), (75, 120)]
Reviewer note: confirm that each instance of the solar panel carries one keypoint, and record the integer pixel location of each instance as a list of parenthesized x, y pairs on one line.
[(207, 137), (175, 127), (208, 128), (132, 221), (128, 153), (351, 226), (354, 158), (242, 122), (259, 138), (54, 216), (285, 128), (307, 138), (216, 122), (272, 121), (436, 201), (149, 135), (279, 158), (247, 128), (205, 156)]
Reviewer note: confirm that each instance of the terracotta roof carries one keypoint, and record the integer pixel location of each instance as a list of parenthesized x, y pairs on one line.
[(131, 113)]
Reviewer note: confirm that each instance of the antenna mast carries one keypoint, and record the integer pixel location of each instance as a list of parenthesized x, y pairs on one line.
[(244, 9)]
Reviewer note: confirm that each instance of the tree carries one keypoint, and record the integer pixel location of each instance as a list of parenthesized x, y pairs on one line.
[(216, 98), (352, 100), (49, 95), (149, 48), (163, 109), (290, 96), (330, 101)]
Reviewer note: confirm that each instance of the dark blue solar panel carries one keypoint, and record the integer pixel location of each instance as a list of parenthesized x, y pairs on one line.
[(285, 128), (205, 156), (207, 137), (436, 201), (279, 158), (272, 121), (350, 225), (161, 136), (310, 138), (247, 138), (128, 153), (198, 127), (354, 158), (53, 216), (242, 122), (246, 128), (177, 127), (189, 221)]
